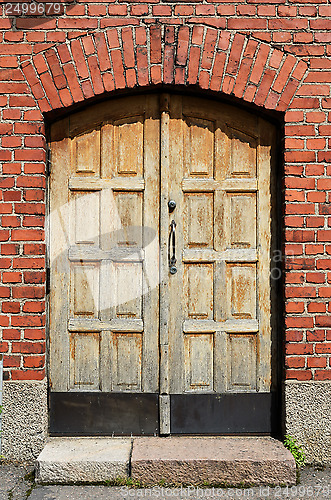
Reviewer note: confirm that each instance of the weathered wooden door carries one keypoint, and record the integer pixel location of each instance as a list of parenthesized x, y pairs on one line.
[(160, 313), (217, 366)]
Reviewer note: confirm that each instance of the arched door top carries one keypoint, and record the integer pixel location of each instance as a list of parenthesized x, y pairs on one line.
[(132, 57)]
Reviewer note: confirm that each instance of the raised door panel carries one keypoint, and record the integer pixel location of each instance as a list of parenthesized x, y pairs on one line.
[(85, 153), (85, 217), (127, 290), (84, 361), (84, 290), (242, 154), (127, 362), (199, 363), (199, 219), (242, 215), (241, 291), (242, 367), (199, 277), (129, 146), (198, 145)]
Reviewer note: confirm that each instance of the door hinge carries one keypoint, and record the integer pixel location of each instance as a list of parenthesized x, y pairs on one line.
[(48, 162), (48, 279)]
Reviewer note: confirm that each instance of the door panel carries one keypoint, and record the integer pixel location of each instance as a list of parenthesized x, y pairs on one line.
[(195, 336), (220, 162), (104, 299)]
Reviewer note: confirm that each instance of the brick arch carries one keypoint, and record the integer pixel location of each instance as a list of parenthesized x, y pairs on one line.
[(128, 57)]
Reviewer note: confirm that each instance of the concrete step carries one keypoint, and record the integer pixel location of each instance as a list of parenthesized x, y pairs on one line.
[(83, 460), (231, 461)]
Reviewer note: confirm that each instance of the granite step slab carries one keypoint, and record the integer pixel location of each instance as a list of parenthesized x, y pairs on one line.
[(231, 461)]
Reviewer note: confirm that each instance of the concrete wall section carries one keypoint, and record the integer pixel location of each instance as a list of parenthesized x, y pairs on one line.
[(24, 419), (308, 418)]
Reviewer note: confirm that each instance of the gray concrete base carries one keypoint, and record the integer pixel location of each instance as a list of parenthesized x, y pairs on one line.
[(308, 418), (88, 460), (24, 419), (220, 460)]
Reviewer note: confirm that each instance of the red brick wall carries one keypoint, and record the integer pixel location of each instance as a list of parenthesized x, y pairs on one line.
[(277, 56)]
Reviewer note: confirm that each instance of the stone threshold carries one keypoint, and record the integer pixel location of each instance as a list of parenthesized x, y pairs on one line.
[(173, 461)]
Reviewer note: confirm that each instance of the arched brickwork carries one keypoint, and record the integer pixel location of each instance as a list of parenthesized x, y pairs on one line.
[(205, 57)]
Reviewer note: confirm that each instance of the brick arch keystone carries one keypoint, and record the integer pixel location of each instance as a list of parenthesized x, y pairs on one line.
[(129, 57)]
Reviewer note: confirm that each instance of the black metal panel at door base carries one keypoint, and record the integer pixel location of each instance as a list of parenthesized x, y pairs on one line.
[(103, 414), (106, 414), (240, 413)]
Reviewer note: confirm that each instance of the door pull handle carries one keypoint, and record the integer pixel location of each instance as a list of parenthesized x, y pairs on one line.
[(172, 247)]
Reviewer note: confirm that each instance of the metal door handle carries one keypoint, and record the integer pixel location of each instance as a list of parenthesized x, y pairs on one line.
[(172, 246)]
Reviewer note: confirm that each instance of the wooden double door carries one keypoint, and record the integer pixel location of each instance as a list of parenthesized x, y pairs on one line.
[(160, 245)]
